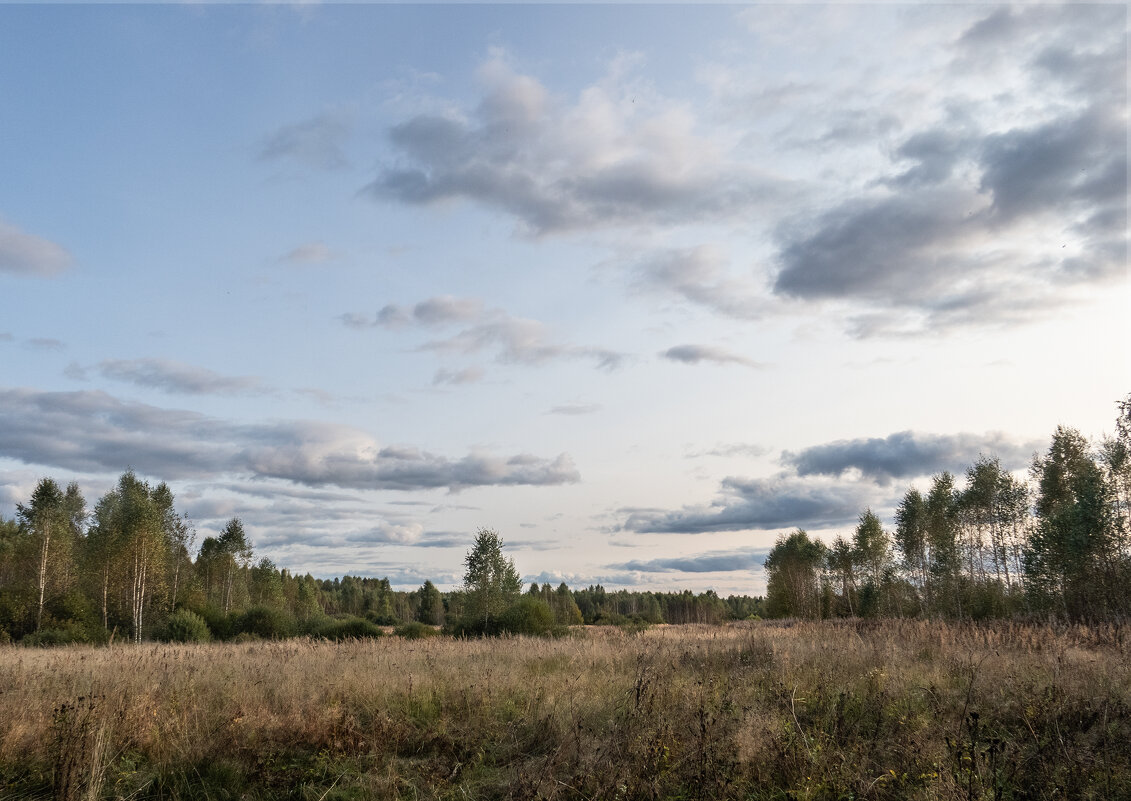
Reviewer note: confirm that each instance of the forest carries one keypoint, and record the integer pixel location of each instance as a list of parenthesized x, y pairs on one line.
[(984, 545)]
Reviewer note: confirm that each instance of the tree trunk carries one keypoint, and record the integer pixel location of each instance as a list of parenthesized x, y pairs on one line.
[(42, 575)]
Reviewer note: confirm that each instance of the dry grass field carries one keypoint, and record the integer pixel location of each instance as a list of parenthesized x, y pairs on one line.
[(850, 710)]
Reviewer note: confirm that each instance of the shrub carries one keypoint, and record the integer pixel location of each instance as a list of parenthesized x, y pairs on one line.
[(529, 616), (220, 624), (415, 631), (64, 634), (186, 626), (266, 622), (349, 628)]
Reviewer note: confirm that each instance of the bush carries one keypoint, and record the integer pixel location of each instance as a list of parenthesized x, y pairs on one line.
[(64, 634), (266, 622), (349, 628), (415, 631), (221, 625), (531, 616), (186, 626)]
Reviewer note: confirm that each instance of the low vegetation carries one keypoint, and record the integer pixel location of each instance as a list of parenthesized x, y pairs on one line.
[(791, 710)]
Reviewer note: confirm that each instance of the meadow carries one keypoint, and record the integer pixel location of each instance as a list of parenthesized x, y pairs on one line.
[(755, 710)]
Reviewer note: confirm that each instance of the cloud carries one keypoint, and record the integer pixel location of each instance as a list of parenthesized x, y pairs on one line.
[(95, 432), (315, 143), (758, 504), (514, 340), (22, 253), (309, 253), (469, 375), (520, 341), (743, 449), (638, 163), (177, 378), (694, 354), (577, 581), (907, 454), (699, 275), (711, 562), (995, 207), (573, 409), (434, 312), (45, 343)]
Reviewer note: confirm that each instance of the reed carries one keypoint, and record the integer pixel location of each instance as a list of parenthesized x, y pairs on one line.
[(833, 710)]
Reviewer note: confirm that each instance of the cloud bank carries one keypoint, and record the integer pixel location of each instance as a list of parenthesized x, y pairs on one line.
[(907, 454), (758, 504), (95, 432), (639, 163)]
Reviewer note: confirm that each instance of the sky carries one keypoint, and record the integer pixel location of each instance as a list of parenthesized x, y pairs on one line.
[(640, 287)]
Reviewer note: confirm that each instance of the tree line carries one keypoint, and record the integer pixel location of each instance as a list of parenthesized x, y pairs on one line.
[(129, 569), (983, 545)]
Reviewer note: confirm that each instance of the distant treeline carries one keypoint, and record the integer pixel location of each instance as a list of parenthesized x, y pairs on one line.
[(985, 546), (126, 570)]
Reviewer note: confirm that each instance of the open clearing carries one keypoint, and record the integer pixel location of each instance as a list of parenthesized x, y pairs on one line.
[(834, 710)]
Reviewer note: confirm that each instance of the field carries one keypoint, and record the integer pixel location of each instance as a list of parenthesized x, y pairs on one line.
[(850, 710)]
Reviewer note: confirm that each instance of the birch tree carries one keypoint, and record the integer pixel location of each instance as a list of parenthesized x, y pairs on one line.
[(45, 521)]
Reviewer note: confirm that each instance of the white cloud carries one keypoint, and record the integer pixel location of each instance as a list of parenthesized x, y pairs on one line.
[(22, 253)]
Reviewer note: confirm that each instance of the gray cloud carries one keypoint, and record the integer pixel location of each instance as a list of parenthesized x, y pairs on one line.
[(1072, 163), (438, 311), (694, 354), (958, 254), (517, 152), (754, 504), (176, 378), (573, 409), (315, 143), (45, 343), (95, 432), (456, 377), (22, 253), (712, 562), (514, 340), (699, 275), (520, 341), (743, 449), (946, 238), (907, 454), (309, 253), (582, 580)]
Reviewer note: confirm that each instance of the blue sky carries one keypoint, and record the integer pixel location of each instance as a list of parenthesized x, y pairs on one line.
[(640, 287)]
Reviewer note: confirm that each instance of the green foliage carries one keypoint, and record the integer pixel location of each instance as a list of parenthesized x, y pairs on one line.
[(267, 622), (415, 630), (490, 583), (222, 626), (793, 583), (347, 628), (63, 634), (431, 605), (531, 616), (185, 625)]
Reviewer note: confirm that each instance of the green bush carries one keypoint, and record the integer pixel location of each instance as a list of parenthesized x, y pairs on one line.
[(266, 622), (528, 615), (186, 626), (415, 631), (348, 628), (63, 634), (222, 626)]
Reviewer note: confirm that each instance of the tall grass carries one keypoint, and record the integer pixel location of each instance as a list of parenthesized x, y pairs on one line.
[(802, 711)]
